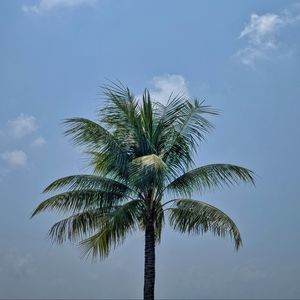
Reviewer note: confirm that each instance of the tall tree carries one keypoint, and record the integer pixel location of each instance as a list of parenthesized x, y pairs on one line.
[(141, 153)]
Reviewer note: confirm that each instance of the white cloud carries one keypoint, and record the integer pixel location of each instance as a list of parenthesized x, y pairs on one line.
[(261, 35), (261, 28), (38, 142), (16, 158), (23, 125), (48, 5), (167, 84)]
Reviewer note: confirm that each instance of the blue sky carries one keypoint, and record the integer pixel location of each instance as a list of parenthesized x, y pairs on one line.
[(242, 57)]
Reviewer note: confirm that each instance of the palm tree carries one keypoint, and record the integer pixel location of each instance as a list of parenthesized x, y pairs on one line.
[(141, 151)]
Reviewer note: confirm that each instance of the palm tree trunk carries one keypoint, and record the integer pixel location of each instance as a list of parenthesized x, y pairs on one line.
[(149, 271)]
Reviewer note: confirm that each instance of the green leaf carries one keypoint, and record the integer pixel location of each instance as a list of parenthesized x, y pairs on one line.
[(196, 217), (159, 221), (181, 126), (87, 182), (76, 201), (97, 139), (122, 106), (114, 228), (190, 125), (78, 226), (210, 176)]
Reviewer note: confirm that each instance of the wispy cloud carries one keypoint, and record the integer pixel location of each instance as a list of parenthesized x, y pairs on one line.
[(23, 125), (48, 5), (15, 158), (261, 28), (19, 133), (262, 35), (165, 85), (38, 142)]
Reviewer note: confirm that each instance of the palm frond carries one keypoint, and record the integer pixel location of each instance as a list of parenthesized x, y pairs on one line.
[(147, 115), (209, 176), (169, 114), (190, 124), (79, 226), (181, 126), (97, 139), (179, 158), (147, 124), (121, 105), (196, 217), (88, 133), (159, 221), (114, 228), (76, 201), (87, 182)]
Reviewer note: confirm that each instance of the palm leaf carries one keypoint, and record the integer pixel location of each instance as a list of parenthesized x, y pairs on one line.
[(78, 226), (196, 217), (87, 182), (159, 221), (122, 106), (147, 124), (190, 123), (209, 176), (88, 133), (77, 201), (114, 228), (181, 126), (97, 139)]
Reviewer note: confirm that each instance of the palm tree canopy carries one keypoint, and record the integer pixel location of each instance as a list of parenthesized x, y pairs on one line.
[(140, 152)]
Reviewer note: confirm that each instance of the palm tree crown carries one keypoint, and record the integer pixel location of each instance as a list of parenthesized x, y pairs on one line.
[(141, 152)]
